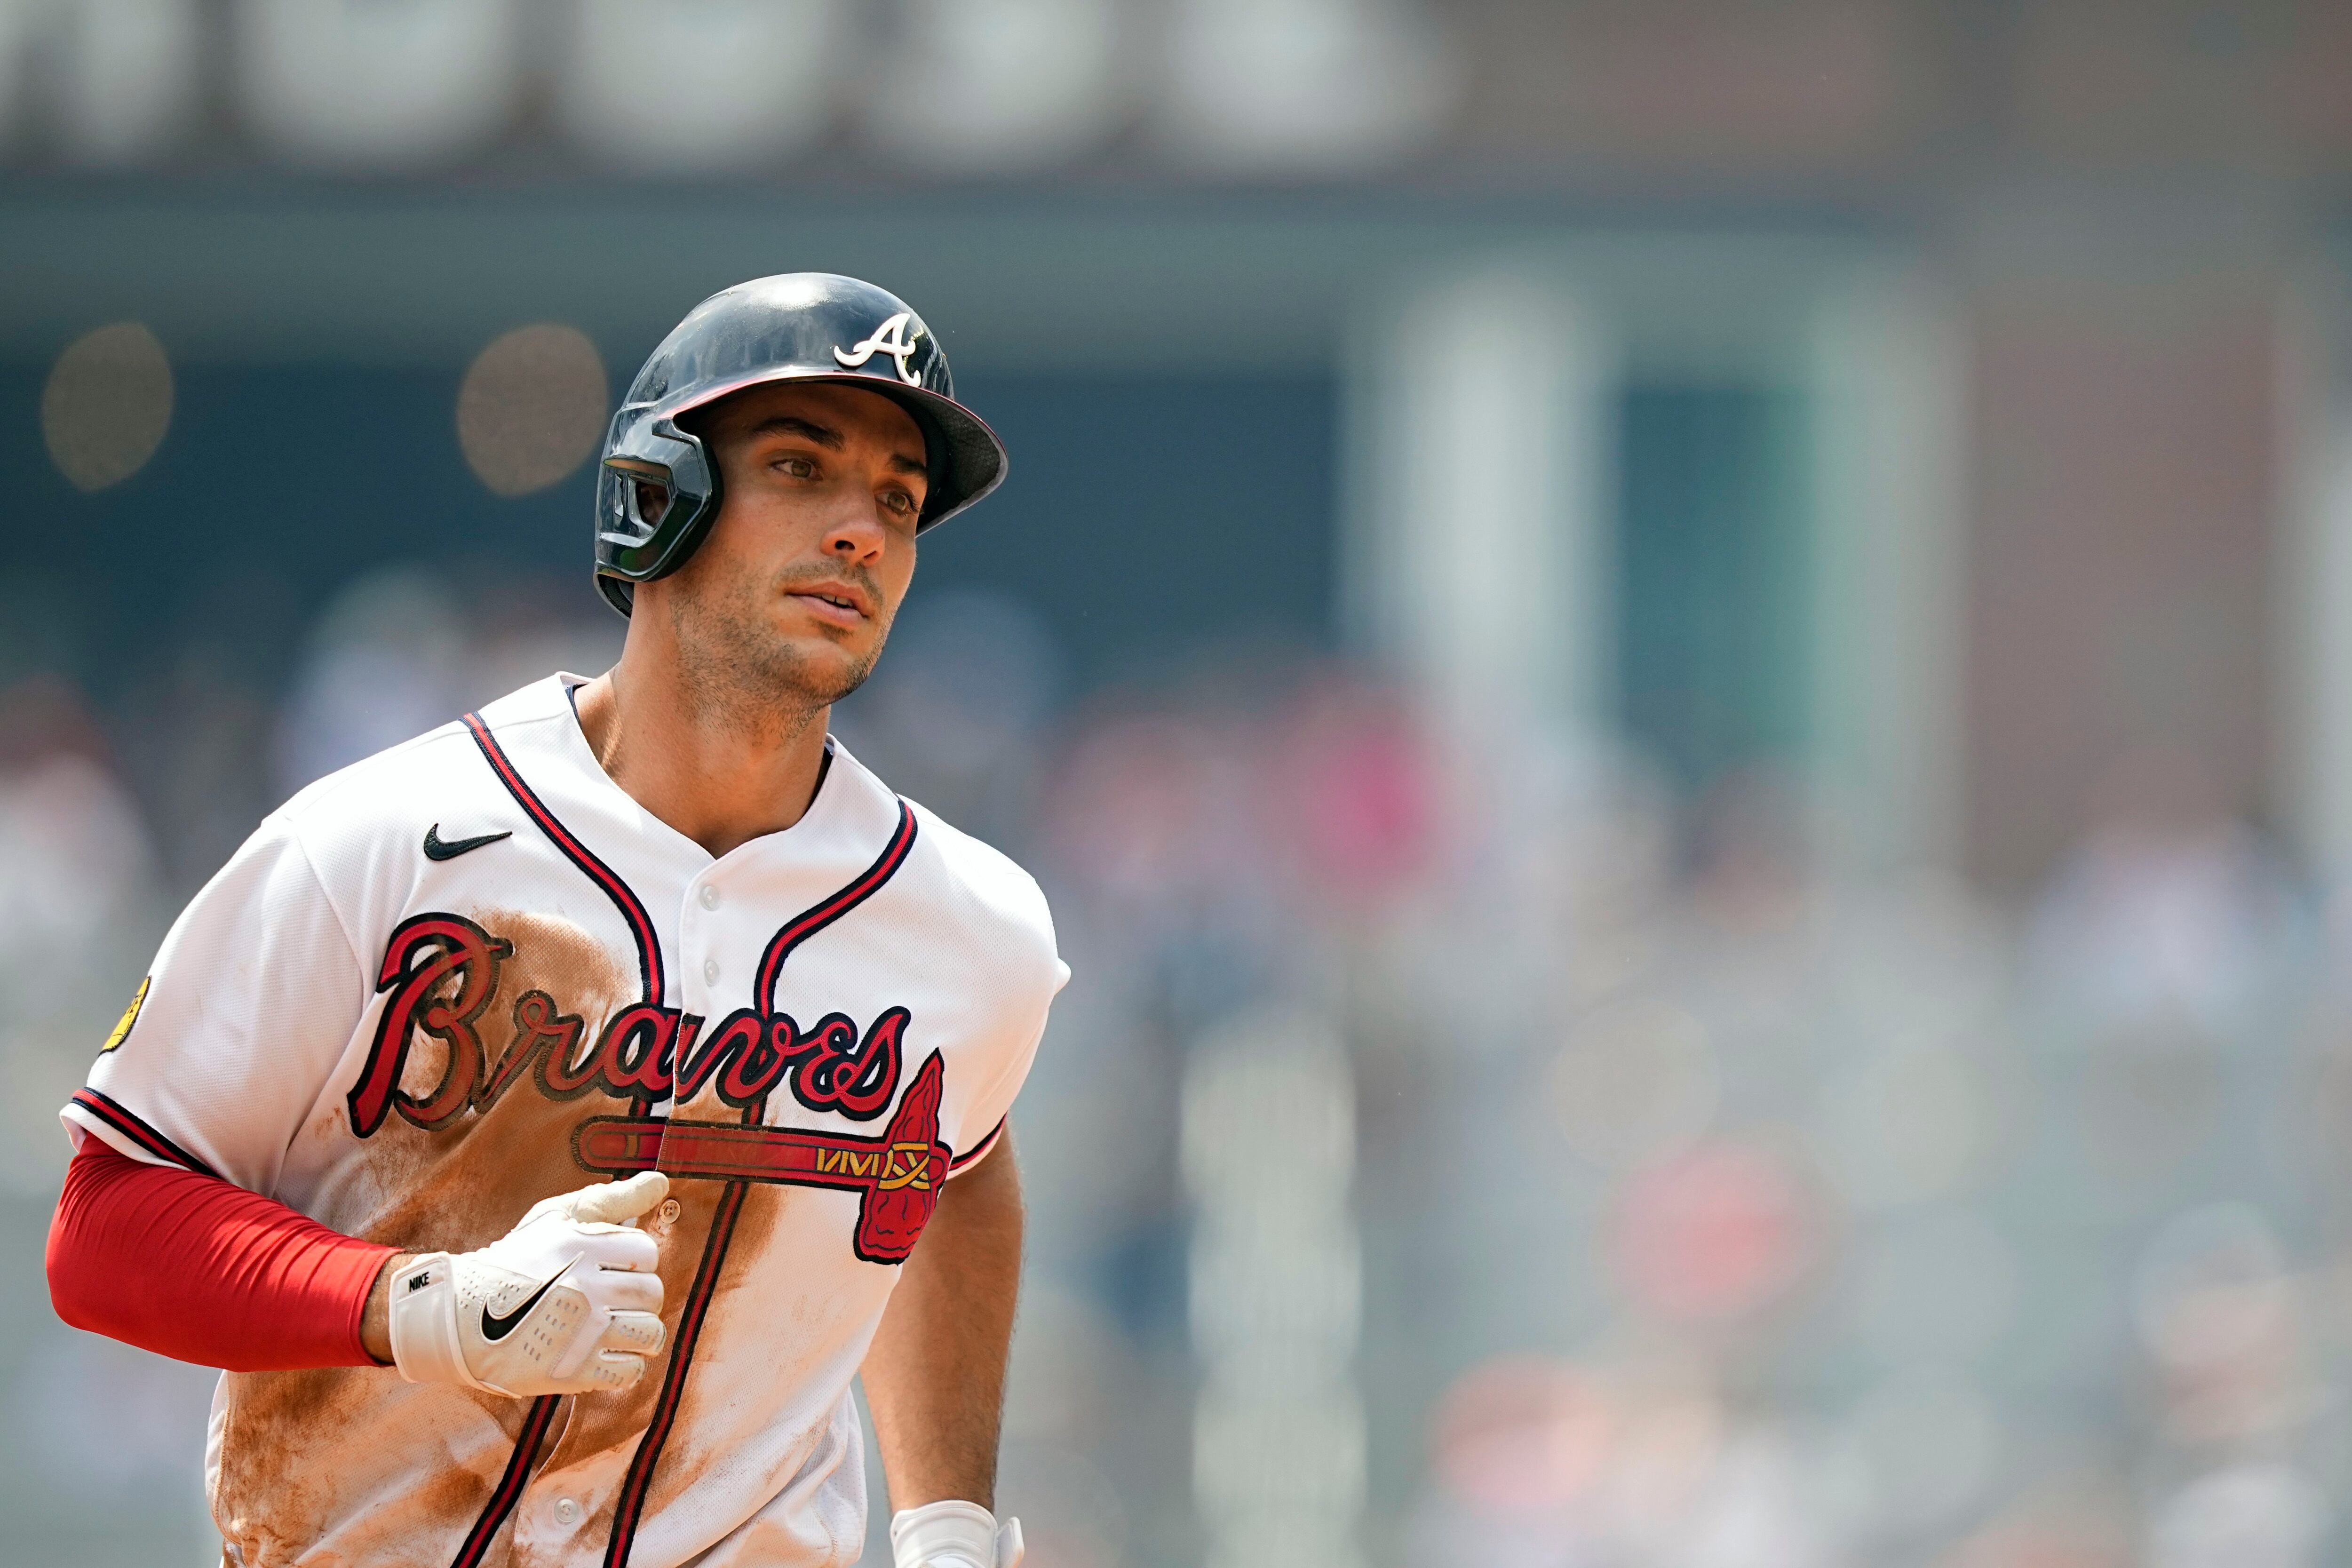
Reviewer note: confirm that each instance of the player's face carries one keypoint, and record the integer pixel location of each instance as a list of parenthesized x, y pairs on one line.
[(814, 542)]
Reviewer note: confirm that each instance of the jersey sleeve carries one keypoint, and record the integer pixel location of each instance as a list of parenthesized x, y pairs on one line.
[(984, 1114), (234, 1033)]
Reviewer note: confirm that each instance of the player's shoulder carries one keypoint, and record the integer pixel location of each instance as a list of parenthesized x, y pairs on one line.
[(980, 869), (975, 886), (439, 770)]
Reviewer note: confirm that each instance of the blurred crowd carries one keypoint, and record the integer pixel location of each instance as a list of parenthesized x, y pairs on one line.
[(1462, 1151), (1467, 1141)]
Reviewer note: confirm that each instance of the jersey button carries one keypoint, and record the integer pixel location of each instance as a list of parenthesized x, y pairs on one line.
[(671, 1208), (710, 972), (567, 1512), (709, 897)]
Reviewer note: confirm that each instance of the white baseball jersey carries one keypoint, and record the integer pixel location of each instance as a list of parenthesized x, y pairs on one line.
[(472, 972)]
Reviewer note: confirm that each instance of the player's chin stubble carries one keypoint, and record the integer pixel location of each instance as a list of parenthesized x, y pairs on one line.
[(735, 668)]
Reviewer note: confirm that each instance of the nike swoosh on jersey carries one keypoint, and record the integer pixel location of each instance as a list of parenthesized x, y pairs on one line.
[(439, 848), (496, 1328)]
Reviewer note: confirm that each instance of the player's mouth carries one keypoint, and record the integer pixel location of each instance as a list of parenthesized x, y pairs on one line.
[(837, 604)]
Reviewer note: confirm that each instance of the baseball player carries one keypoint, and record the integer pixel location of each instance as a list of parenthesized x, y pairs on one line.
[(544, 1120)]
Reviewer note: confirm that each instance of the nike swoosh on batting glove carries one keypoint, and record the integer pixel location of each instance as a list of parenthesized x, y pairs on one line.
[(953, 1535), (566, 1302)]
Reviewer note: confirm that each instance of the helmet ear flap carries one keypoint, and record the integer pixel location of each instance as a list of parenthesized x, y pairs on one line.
[(619, 592), (656, 493)]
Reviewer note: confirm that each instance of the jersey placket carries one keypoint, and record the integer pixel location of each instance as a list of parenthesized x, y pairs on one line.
[(546, 1502)]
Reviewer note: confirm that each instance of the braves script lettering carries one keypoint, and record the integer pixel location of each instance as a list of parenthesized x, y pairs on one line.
[(440, 978), (442, 973)]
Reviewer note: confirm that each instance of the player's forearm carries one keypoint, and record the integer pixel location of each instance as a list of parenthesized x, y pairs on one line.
[(935, 1375), (195, 1268)]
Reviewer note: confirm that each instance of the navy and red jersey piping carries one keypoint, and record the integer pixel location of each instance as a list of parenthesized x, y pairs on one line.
[(504, 1496), (509, 1488), (128, 1123), (628, 1507), (624, 899), (965, 1160), (818, 916)]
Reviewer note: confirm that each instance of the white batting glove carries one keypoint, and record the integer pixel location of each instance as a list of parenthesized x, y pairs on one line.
[(953, 1535), (566, 1302)]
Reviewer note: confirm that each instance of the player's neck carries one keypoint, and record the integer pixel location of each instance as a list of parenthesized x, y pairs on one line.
[(715, 779)]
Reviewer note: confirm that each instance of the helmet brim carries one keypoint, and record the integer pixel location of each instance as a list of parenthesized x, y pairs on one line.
[(968, 459)]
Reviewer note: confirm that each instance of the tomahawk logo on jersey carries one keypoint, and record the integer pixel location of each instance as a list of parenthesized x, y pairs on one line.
[(471, 974)]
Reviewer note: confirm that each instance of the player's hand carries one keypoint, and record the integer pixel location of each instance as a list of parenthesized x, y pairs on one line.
[(566, 1302), (953, 1535)]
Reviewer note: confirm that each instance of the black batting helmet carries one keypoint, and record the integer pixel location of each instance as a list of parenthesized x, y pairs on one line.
[(657, 490)]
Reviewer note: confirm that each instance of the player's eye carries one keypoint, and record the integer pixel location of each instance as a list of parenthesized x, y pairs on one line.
[(798, 468), (898, 502)]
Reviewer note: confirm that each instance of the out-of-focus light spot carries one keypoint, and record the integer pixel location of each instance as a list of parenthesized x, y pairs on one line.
[(531, 408), (129, 75), (2213, 1288), (1635, 1080), (107, 406), (2252, 1515), (1905, 1126), (1667, 1446), (999, 86), (1523, 1434), (1303, 86), (1942, 1287), (2168, 915), (362, 84), (1712, 1235), (702, 85), (1920, 1448)]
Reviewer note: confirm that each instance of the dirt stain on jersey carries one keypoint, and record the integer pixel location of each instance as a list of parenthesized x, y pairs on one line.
[(466, 1185), (286, 1481), (617, 1425), (709, 1382)]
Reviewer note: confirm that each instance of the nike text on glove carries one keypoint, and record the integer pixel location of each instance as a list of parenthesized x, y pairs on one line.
[(566, 1302), (953, 1535)]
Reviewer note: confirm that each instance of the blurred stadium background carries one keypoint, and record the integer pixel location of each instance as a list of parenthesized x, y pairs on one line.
[(1682, 669)]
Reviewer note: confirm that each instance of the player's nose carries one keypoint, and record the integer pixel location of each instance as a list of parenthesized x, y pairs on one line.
[(855, 532)]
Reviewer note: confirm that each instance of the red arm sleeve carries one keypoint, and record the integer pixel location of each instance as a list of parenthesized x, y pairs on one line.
[(200, 1269)]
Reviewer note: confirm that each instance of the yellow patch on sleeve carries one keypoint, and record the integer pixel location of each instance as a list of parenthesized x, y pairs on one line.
[(129, 1016)]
